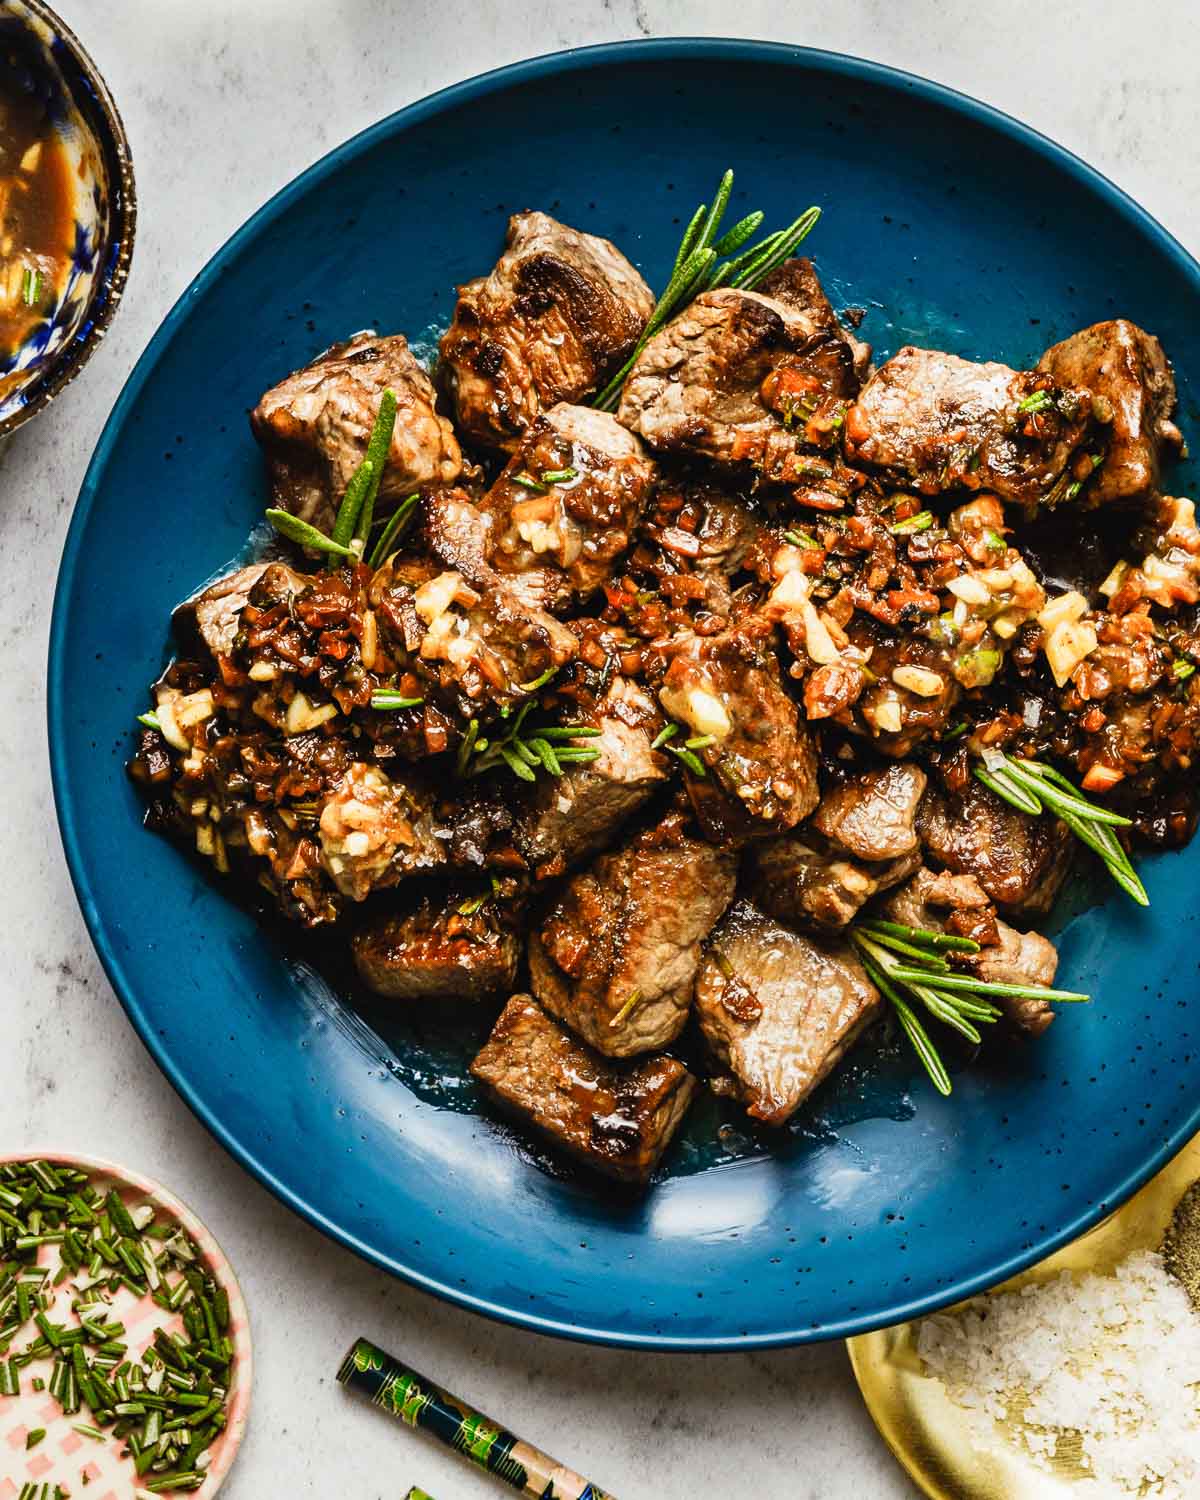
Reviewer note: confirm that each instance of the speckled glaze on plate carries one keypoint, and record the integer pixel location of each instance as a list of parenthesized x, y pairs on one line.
[(45, 56), (933, 1439), (950, 224), (64, 1456)]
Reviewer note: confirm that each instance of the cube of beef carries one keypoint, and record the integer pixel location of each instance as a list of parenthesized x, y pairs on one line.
[(1021, 862), (871, 814), (797, 284), (944, 423), (375, 830), (1133, 389), (315, 424), (759, 759), (575, 814), (779, 1010), (553, 320), (573, 526), (800, 881), (744, 381), (616, 1119), (958, 903), (616, 954), (449, 947), (210, 618)]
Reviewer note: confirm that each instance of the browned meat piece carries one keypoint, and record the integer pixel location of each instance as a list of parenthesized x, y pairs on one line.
[(618, 1120), (871, 814), (779, 1010), (476, 645), (740, 379), (1128, 374), (374, 831), (210, 618), (1019, 861), (573, 815), (797, 284), (944, 422), (573, 530), (315, 424), (797, 883), (761, 765), (896, 716), (616, 954), (447, 949), (933, 901), (552, 322)]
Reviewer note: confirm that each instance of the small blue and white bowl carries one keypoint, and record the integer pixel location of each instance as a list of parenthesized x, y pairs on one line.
[(45, 55)]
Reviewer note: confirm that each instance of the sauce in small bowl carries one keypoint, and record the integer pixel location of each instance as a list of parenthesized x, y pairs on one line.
[(67, 208)]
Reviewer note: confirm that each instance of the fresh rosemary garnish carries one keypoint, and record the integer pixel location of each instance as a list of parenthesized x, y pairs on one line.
[(559, 476), (1036, 401), (1182, 668), (625, 1009), (689, 758), (908, 966), (1033, 787), (527, 482), (150, 720), (699, 267), (379, 445), (389, 702), (542, 748), (800, 539), (663, 735), (304, 535), (31, 287), (351, 507), (397, 525)]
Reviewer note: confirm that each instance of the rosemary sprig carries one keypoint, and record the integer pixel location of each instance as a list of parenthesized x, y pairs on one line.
[(544, 748), (304, 535), (1033, 787), (908, 966), (379, 445), (397, 525), (385, 701), (704, 261)]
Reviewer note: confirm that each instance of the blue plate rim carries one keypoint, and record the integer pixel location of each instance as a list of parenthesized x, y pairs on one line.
[(679, 49)]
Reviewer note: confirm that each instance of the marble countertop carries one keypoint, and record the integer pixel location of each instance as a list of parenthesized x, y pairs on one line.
[(225, 101)]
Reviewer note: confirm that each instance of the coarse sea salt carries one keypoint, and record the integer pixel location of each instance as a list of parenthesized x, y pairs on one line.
[(1112, 1360)]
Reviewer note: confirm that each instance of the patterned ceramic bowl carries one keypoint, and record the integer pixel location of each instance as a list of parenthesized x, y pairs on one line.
[(73, 1460), (45, 56)]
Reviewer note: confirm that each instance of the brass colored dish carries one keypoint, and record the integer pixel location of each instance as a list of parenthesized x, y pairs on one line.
[(933, 1438)]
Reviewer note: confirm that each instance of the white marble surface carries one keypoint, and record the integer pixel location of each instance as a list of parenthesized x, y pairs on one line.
[(225, 100)]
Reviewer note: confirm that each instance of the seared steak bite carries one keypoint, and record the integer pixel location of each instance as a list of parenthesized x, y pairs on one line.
[(760, 764), (615, 955), (871, 814), (475, 645), (945, 423), (1019, 861), (211, 618), (779, 1010), (374, 830), (958, 903), (804, 885), (1133, 392), (553, 320), (796, 284), (617, 1120), (315, 424), (743, 381), (575, 524), (448, 948), (575, 814)]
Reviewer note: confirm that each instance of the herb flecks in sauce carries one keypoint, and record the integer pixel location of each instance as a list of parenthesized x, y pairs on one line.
[(36, 217)]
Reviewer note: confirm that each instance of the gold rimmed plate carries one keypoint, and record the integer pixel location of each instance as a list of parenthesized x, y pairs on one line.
[(938, 1443)]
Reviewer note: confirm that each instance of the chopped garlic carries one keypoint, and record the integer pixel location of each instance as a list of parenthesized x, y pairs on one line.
[(1070, 606), (885, 715), (168, 723), (919, 680), (969, 589), (194, 708), (817, 640), (1114, 580), (302, 716), (263, 671), (435, 597), (1067, 645)]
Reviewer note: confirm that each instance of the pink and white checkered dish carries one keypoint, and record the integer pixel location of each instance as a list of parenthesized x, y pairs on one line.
[(64, 1456)]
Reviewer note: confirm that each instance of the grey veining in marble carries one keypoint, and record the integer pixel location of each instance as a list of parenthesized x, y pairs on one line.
[(225, 100)]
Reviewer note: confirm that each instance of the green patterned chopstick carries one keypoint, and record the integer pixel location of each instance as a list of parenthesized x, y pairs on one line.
[(403, 1393)]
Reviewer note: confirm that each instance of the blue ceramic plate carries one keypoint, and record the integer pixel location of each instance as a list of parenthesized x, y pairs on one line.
[(951, 225)]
